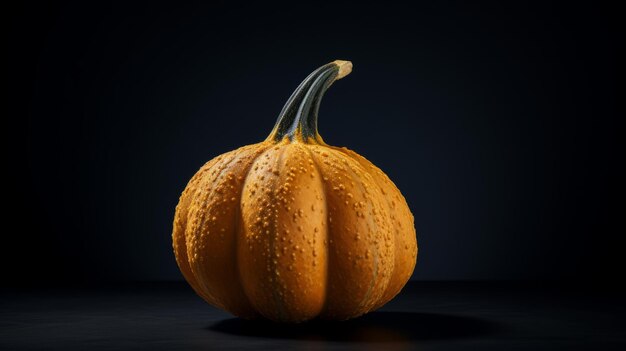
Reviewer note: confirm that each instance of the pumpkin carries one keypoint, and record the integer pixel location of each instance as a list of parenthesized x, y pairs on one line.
[(291, 228)]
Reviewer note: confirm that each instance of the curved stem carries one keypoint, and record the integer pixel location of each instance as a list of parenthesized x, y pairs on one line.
[(298, 118)]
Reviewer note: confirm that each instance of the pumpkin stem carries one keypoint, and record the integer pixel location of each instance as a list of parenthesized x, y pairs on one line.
[(298, 118)]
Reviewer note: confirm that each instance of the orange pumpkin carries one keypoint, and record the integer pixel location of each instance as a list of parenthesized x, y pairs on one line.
[(291, 228)]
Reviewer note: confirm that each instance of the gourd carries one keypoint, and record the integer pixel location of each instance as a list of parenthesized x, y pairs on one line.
[(291, 229)]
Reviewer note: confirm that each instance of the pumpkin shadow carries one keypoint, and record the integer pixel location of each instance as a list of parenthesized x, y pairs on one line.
[(379, 326)]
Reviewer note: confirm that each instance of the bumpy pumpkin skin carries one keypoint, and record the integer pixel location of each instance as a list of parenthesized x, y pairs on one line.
[(292, 229)]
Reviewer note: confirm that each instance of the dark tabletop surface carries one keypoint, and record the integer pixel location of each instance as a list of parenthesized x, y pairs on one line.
[(425, 316)]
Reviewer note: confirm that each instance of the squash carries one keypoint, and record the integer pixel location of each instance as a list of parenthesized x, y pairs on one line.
[(291, 228)]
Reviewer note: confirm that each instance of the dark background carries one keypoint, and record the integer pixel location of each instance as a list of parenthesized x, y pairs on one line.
[(499, 123)]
